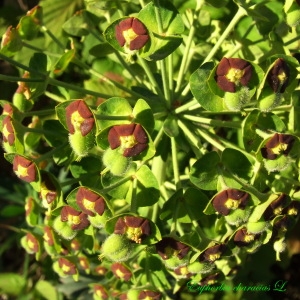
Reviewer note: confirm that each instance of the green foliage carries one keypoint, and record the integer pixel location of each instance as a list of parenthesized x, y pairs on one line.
[(161, 148)]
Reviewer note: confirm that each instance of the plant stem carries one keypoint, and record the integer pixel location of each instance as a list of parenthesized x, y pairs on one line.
[(106, 117), (50, 153), (53, 37), (187, 106), (239, 14), (44, 112), (187, 54), (20, 79), (151, 77), (133, 207), (218, 123), (175, 163), (116, 184)]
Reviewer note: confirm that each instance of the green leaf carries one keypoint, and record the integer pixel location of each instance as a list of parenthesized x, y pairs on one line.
[(55, 134), (12, 283), (237, 163), (11, 211), (204, 173), (81, 23), (147, 187), (101, 50), (201, 89), (143, 115), (56, 12), (46, 290), (114, 107), (171, 126), (63, 62)]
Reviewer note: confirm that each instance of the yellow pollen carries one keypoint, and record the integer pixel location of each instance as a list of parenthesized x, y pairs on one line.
[(5, 131), (46, 237), (232, 204), (76, 120), (249, 238), (88, 204), (234, 75), (74, 219), (279, 148), (65, 268), (31, 244), (282, 77), (292, 211), (129, 35), (119, 273), (21, 171), (127, 141), (278, 210), (213, 257), (134, 233)]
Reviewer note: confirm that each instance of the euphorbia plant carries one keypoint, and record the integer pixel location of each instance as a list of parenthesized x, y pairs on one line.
[(174, 157)]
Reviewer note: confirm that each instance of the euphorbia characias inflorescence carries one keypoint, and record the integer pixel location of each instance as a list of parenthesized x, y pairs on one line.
[(174, 156)]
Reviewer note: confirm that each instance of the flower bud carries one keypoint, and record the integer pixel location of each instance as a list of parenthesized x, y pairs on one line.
[(11, 41), (63, 229)]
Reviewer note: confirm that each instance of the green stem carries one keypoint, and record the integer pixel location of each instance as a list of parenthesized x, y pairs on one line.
[(192, 138), (115, 185), (211, 140), (165, 80), (239, 14), (55, 97), (151, 77), (218, 123), (42, 131), (20, 79), (191, 105), (175, 163), (187, 51), (133, 206), (53, 37)]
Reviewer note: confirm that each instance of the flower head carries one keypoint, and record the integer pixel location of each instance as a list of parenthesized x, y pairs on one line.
[(169, 247), (276, 207), (230, 199), (8, 131), (278, 76), (67, 266), (231, 72), (132, 34), (32, 243), (131, 138), (212, 253), (24, 168), (149, 295), (48, 236), (243, 238), (121, 271), (100, 291), (135, 228), (292, 209), (79, 118), (48, 191), (90, 202), (278, 144), (77, 220)]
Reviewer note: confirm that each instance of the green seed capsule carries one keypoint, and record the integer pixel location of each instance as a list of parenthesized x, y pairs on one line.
[(116, 248), (82, 144), (63, 229)]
